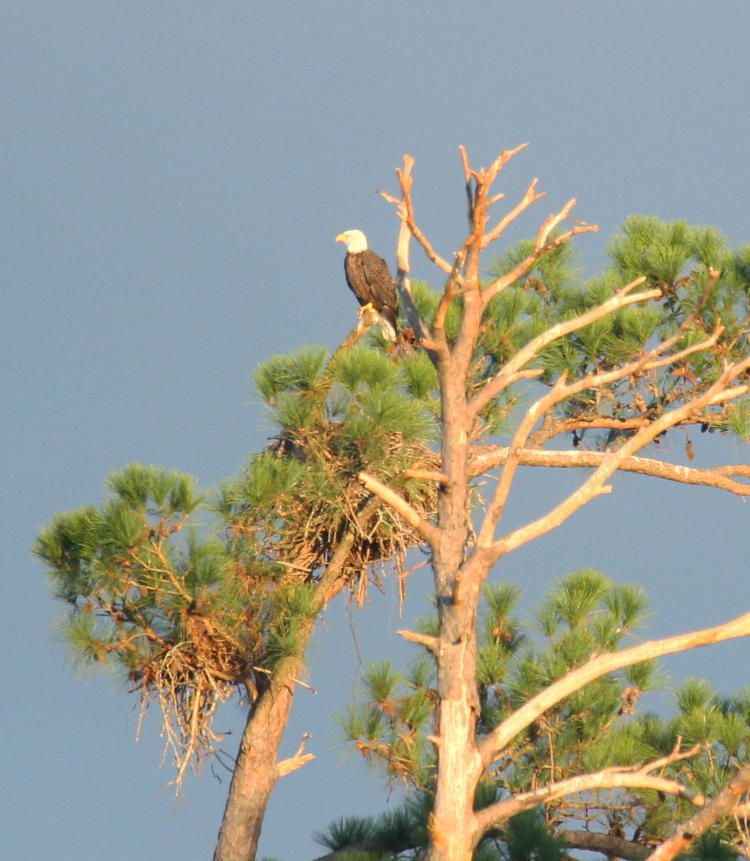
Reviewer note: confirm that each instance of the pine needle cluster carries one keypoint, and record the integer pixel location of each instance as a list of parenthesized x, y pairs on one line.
[(160, 604), (336, 417), (196, 611), (704, 284), (602, 725)]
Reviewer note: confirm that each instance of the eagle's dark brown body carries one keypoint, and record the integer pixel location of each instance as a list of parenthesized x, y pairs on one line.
[(370, 280)]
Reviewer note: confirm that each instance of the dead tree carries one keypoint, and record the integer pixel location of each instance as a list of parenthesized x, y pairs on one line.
[(691, 373)]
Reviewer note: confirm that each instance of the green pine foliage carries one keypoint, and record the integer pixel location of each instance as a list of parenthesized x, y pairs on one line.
[(192, 598), (711, 847), (602, 725), (528, 837), (676, 258), (401, 833), (346, 831), (150, 597), (335, 417), (391, 725), (398, 833)]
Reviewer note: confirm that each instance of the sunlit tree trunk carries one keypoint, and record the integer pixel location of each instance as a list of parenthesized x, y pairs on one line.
[(257, 770), (255, 774), (453, 829), (461, 559)]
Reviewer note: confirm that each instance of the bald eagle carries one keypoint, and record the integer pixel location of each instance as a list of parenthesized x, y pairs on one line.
[(370, 280)]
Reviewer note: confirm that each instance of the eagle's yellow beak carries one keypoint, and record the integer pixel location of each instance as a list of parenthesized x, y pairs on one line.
[(340, 238)]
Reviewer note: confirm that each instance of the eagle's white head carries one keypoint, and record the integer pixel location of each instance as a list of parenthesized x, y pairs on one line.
[(354, 240)]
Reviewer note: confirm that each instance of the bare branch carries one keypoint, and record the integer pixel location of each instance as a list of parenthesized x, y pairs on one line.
[(551, 223), (487, 177), (429, 532), (404, 211), (404, 241), (607, 844), (594, 485), (688, 351), (507, 374), (465, 162), (599, 665), (488, 457), (292, 763), (431, 643), (719, 807), (499, 284), (505, 156), (403, 283), (609, 778), (477, 196), (427, 475), (286, 766), (675, 756), (365, 319), (405, 180), (530, 197)]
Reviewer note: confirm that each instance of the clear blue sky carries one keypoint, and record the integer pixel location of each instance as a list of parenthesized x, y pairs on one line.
[(173, 176)]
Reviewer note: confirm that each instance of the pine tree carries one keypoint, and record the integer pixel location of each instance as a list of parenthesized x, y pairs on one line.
[(194, 617), (528, 359), (600, 726), (378, 452)]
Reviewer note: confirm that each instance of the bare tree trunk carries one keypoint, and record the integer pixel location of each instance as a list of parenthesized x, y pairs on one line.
[(453, 829), (460, 567), (452, 825)]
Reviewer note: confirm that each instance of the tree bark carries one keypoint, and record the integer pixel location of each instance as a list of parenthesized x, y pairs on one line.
[(453, 831), (256, 771), (459, 569), (452, 824)]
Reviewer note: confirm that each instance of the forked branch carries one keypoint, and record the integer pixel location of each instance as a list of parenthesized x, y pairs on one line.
[(608, 778), (527, 353), (720, 806), (720, 392), (530, 197), (542, 246)]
